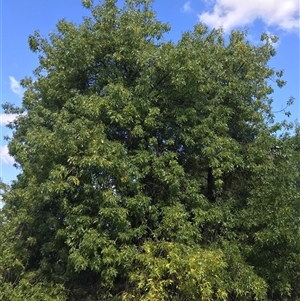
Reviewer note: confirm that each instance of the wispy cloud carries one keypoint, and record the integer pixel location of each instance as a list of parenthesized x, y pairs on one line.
[(5, 157), (15, 86), (6, 118), (187, 7), (234, 13)]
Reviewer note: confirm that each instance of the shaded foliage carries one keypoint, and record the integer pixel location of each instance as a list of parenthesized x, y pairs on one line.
[(149, 170)]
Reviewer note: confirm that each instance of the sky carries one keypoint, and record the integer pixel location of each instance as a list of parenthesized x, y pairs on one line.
[(21, 18)]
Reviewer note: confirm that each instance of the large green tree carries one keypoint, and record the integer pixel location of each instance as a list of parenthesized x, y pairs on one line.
[(149, 169)]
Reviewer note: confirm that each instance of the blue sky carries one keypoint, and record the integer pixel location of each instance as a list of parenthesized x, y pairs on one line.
[(20, 18)]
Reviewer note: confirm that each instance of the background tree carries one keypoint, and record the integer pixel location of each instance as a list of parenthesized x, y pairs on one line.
[(147, 168)]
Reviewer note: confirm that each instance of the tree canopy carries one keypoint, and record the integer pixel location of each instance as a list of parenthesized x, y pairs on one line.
[(150, 169)]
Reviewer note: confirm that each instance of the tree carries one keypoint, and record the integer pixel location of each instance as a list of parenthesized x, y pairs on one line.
[(146, 168)]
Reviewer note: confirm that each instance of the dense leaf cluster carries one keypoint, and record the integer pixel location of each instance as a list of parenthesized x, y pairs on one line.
[(150, 170)]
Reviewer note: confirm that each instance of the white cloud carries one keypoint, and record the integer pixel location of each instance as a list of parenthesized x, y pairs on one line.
[(6, 118), (15, 86), (5, 157), (187, 7), (233, 13)]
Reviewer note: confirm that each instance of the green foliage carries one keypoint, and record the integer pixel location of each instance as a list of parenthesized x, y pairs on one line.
[(150, 170)]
